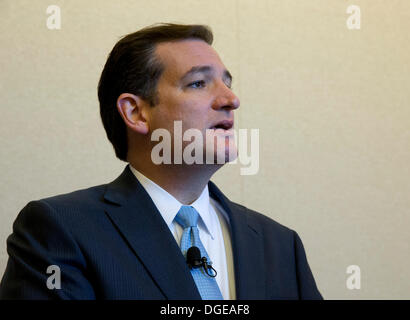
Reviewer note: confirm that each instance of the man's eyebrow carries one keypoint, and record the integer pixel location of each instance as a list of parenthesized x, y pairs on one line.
[(204, 69)]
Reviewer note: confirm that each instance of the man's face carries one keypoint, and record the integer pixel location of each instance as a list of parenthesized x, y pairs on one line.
[(195, 89)]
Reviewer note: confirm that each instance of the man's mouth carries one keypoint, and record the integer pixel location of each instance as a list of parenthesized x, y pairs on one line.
[(224, 125)]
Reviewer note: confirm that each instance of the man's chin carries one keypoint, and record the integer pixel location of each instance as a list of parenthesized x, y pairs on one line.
[(222, 155), (220, 146)]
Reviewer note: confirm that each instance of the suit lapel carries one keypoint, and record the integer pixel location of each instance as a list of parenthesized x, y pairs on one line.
[(136, 217), (247, 247)]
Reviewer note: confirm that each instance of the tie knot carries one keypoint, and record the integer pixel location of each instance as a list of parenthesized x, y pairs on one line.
[(187, 217)]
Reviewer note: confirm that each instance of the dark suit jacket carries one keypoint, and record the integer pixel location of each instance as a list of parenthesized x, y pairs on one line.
[(111, 242)]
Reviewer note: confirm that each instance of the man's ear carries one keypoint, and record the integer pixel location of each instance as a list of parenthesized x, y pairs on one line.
[(133, 111)]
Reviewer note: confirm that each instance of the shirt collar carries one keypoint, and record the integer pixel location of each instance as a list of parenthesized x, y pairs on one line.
[(168, 205)]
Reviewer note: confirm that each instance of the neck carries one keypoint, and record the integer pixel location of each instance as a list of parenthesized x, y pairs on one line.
[(184, 182)]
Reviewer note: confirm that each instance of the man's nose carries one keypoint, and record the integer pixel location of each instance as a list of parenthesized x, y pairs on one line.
[(225, 98)]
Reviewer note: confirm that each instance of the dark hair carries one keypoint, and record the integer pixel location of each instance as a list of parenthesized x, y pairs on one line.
[(132, 67)]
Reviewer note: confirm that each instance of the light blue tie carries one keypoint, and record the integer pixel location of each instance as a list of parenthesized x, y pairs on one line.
[(187, 217)]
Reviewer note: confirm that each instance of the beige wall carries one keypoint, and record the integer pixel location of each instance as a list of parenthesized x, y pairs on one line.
[(331, 104)]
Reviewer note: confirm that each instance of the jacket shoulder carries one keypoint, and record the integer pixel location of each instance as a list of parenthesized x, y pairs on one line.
[(83, 197), (63, 208), (264, 223)]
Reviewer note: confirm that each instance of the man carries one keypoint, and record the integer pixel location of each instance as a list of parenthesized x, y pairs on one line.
[(131, 238)]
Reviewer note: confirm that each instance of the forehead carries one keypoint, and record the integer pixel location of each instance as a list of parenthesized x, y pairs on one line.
[(180, 56)]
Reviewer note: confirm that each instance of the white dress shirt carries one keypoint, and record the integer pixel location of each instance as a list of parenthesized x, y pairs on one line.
[(213, 226)]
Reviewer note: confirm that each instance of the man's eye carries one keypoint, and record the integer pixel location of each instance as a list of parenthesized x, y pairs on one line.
[(228, 84), (197, 84)]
